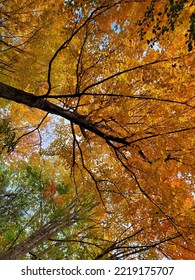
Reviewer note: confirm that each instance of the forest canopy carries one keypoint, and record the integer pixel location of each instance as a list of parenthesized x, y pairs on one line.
[(97, 125)]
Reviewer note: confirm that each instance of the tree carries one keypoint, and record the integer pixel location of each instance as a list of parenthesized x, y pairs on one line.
[(36, 215), (111, 82)]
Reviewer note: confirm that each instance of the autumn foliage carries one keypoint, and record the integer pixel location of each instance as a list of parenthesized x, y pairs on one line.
[(98, 99)]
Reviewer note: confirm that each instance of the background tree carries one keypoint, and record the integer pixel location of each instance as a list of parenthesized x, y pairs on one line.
[(103, 91), (36, 215)]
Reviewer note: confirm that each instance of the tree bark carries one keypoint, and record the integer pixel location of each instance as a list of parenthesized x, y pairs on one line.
[(31, 100)]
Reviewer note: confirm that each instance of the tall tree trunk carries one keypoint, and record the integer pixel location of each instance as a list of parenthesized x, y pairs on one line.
[(65, 218)]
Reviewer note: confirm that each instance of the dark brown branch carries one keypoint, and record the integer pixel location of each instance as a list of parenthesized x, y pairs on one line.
[(90, 173), (163, 134), (79, 70), (31, 100), (110, 95), (123, 72), (75, 241), (29, 132), (122, 249)]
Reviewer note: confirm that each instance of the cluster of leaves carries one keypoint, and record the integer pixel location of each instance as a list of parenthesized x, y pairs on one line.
[(7, 136), (191, 33), (163, 18), (55, 193)]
